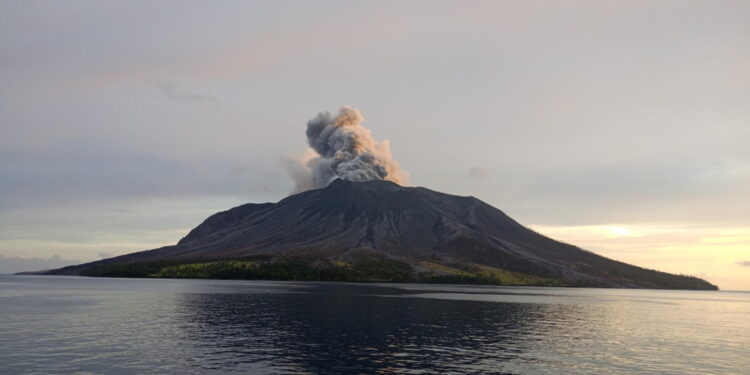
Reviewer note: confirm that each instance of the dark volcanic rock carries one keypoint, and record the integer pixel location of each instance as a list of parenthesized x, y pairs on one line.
[(410, 224), (224, 219)]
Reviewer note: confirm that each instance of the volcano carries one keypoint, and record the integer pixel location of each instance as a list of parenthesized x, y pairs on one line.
[(379, 231)]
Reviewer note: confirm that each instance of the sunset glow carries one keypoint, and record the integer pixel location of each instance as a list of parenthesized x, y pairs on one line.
[(704, 251)]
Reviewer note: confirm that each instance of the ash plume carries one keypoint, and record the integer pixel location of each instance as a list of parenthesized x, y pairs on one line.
[(340, 147)]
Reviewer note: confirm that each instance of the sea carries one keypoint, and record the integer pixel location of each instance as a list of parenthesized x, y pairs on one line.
[(78, 325)]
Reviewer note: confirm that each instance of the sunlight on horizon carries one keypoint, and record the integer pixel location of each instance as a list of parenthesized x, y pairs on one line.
[(705, 251)]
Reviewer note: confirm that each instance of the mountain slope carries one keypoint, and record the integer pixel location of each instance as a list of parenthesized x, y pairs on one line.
[(430, 231)]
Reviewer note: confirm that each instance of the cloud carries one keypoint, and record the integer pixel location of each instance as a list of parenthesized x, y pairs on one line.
[(174, 91), (744, 263), (9, 265), (477, 172), (79, 172), (239, 170)]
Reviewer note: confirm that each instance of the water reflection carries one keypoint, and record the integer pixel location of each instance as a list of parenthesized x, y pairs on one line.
[(345, 329), (142, 326)]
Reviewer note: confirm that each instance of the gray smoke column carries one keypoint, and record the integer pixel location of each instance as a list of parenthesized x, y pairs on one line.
[(340, 147)]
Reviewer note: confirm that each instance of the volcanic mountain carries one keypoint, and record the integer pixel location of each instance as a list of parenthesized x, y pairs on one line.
[(379, 231)]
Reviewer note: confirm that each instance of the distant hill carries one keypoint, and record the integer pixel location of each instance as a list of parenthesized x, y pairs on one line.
[(379, 231)]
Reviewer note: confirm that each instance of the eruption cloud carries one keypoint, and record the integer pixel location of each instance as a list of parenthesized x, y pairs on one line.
[(340, 147)]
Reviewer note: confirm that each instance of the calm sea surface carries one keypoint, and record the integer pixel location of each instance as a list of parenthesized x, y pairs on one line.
[(65, 325)]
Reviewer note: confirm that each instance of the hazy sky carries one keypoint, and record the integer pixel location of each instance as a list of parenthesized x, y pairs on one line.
[(622, 127)]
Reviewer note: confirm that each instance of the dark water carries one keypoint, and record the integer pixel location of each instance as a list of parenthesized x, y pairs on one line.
[(140, 326)]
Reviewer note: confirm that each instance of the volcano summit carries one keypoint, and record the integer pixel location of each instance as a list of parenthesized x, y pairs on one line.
[(379, 231)]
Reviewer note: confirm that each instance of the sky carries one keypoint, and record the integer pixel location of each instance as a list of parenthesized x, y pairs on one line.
[(622, 127)]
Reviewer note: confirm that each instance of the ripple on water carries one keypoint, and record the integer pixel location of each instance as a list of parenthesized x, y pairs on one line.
[(111, 326)]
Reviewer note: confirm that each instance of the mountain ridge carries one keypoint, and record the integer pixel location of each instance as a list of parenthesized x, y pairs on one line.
[(432, 232)]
